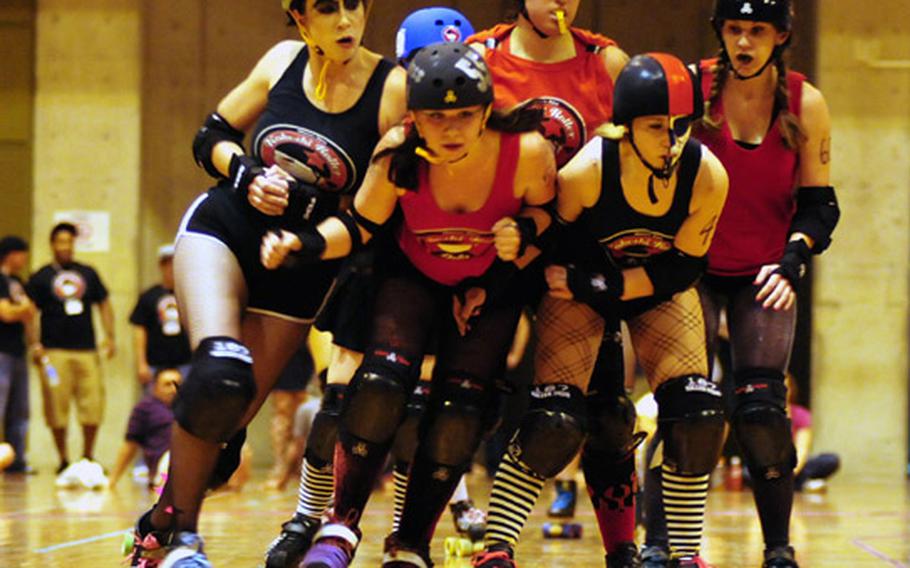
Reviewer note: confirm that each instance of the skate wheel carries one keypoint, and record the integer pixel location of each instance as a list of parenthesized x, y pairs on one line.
[(465, 547), (478, 546), (126, 547), (451, 546)]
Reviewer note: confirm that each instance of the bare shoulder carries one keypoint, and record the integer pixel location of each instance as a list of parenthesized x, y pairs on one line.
[(396, 81), (273, 64), (814, 108), (712, 180), (534, 147), (479, 46), (394, 137), (614, 59)]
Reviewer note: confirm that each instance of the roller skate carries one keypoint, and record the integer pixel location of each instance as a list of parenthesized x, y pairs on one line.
[(470, 524), (625, 556), (655, 556), (333, 547), (145, 550), (287, 550), (563, 505), (185, 551), (397, 555), (689, 562), (498, 555), (780, 557), (567, 531)]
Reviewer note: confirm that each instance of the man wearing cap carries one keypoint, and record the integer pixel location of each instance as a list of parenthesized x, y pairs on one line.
[(65, 291), (159, 339), (16, 314)]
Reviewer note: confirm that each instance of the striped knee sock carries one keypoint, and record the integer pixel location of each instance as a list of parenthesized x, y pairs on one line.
[(315, 493), (684, 498), (400, 478), (515, 491)]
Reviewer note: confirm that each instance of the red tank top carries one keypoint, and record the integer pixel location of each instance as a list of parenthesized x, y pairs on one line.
[(576, 95), (755, 222), (449, 247)]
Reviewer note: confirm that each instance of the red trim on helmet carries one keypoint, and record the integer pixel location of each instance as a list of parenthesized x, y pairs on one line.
[(679, 84)]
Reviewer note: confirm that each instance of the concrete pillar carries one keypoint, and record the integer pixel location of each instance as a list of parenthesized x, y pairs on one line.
[(860, 330), (86, 157)]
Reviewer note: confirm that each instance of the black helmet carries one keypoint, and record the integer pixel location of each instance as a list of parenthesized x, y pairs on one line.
[(448, 75), (656, 83), (777, 12)]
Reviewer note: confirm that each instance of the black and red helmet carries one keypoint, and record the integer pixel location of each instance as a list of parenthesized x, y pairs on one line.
[(656, 83), (448, 75)]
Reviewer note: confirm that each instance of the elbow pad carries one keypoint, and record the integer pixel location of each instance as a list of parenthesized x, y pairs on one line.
[(674, 271), (816, 215), (215, 129)]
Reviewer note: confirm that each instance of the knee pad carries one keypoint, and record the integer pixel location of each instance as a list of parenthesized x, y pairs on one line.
[(320, 445), (552, 430), (228, 460), (611, 426), (690, 418), (761, 423), (376, 399), (218, 391), (405, 445), (454, 424)]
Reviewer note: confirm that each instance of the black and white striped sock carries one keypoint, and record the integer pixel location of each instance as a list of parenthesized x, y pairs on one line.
[(315, 492), (684, 498), (400, 478), (515, 491)]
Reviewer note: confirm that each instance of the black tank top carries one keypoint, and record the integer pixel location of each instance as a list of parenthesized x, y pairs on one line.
[(330, 151), (629, 238)]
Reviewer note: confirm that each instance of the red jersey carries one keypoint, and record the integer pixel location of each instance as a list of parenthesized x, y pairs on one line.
[(576, 95), (449, 247), (755, 223)]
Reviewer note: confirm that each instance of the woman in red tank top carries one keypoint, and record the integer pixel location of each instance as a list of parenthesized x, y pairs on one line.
[(771, 131), (462, 220)]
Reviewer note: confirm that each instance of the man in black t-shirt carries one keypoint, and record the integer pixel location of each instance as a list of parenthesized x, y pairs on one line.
[(160, 340), (65, 292), (16, 315)]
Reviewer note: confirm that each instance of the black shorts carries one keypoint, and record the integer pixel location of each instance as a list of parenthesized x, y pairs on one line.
[(349, 310), (297, 293)]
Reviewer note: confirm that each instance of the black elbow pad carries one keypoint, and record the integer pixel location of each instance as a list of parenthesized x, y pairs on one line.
[(817, 214), (214, 130)]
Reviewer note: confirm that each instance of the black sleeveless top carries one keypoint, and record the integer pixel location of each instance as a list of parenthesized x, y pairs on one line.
[(627, 237), (328, 151)]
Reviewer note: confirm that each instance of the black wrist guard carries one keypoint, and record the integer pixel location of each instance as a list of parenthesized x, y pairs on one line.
[(312, 245), (794, 262), (242, 171), (527, 231), (597, 289)]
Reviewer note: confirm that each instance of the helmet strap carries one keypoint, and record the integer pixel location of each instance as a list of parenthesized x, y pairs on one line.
[(526, 16), (663, 173)]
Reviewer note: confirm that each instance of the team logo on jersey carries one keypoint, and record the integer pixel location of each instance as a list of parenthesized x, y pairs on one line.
[(308, 156), (168, 315), (562, 125), (68, 285), (631, 248), (455, 244), (451, 34)]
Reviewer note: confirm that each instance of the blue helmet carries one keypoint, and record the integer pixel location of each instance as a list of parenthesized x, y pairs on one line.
[(430, 25)]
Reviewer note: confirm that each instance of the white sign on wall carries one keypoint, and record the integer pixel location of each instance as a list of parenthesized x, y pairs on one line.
[(94, 228)]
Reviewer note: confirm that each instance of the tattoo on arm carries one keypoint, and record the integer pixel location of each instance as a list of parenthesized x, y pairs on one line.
[(708, 230), (825, 154)]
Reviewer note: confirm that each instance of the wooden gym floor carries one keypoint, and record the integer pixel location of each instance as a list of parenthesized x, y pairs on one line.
[(850, 525)]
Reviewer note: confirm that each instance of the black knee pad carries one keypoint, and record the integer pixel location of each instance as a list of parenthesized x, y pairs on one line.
[(375, 403), (320, 445), (552, 430), (228, 460), (691, 421), (611, 426), (217, 391), (455, 421), (405, 444), (761, 423)]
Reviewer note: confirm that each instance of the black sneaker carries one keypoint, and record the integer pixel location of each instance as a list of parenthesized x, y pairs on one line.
[(625, 556), (63, 465), (655, 557), (780, 557), (295, 539)]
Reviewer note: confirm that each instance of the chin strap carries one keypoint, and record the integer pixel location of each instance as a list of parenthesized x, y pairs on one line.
[(429, 156), (322, 83), (778, 52), (663, 174)]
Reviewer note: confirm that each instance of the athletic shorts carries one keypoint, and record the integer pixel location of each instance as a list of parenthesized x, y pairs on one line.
[(295, 293)]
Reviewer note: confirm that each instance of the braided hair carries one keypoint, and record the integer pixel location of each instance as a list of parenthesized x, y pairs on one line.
[(790, 127)]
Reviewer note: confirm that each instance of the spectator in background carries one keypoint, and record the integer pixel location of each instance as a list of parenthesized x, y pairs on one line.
[(64, 292), (288, 394), (158, 337), (149, 427), (16, 315), (811, 471)]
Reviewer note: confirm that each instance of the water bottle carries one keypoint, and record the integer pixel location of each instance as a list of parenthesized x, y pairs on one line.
[(53, 379), (735, 474)]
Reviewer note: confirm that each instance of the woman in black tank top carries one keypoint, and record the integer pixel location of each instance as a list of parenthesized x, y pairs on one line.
[(319, 106), (643, 206)]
